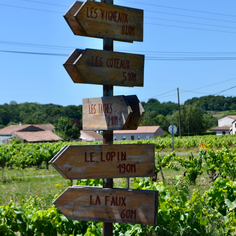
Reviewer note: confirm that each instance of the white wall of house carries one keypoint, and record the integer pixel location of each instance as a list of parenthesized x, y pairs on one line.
[(234, 127), (225, 121), (132, 136), (138, 134), (222, 132), (3, 138)]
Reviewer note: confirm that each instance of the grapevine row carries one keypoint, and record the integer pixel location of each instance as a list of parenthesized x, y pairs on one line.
[(180, 213)]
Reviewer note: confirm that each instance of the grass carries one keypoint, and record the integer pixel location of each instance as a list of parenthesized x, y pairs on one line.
[(19, 185), (180, 149), (220, 114), (202, 183)]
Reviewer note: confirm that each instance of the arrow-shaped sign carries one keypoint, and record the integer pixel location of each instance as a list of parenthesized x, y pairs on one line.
[(112, 113), (102, 20), (109, 205), (105, 67), (105, 161)]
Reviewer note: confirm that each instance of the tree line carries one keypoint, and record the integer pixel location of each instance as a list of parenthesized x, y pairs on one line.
[(193, 118), (195, 115), (213, 103), (35, 113)]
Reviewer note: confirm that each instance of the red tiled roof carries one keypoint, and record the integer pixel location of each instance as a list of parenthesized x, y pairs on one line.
[(232, 116), (49, 127), (38, 136), (229, 116), (15, 128), (92, 134), (140, 129), (222, 128)]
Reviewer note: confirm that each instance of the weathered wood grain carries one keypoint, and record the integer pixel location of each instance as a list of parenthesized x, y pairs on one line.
[(109, 205), (71, 21), (105, 67), (70, 67), (103, 161), (105, 113), (137, 113), (112, 113), (103, 20)]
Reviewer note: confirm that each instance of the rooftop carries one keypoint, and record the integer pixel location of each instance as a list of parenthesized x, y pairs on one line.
[(222, 128), (92, 134), (14, 128), (38, 136), (140, 129)]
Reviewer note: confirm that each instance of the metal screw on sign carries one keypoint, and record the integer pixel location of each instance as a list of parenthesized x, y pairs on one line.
[(172, 129)]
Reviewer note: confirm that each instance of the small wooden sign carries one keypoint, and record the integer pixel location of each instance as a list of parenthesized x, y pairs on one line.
[(109, 205), (105, 67), (105, 161), (111, 113), (102, 20)]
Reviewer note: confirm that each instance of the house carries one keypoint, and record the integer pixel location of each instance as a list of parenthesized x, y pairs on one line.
[(142, 132), (29, 133), (4, 138), (226, 125), (90, 135), (36, 136), (226, 121), (233, 128), (221, 130)]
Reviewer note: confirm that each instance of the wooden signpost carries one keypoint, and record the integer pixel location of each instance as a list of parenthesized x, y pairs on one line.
[(107, 113), (105, 67), (101, 20), (109, 205), (112, 113), (105, 161)]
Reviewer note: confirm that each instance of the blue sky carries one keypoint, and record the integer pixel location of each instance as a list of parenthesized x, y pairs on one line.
[(190, 45)]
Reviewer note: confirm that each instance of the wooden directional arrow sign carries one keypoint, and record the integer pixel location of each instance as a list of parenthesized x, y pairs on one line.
[(103, 161), (102, 20), (109, 205), (105, 67), (112, 113)]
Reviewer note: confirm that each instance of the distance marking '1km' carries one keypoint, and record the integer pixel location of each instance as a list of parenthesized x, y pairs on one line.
[(109, 205), (103, 161), (102, 20), (105, 67)]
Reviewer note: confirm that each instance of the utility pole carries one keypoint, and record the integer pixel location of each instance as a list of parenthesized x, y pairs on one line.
[(179, 114)]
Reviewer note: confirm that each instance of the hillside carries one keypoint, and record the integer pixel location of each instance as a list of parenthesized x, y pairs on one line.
[(197, 114)]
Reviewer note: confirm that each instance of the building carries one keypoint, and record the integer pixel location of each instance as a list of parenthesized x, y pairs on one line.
[(221, 130), (90, 135), (233, 128), (142, 132), (29, 133), (226, 125), (226, 121)]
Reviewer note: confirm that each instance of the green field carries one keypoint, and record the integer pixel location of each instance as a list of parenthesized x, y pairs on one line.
[(196, 197)]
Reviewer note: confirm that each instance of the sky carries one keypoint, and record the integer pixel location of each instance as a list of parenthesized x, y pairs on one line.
[(190, 45)]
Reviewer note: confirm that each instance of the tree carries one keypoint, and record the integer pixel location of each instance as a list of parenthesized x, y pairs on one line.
[(66, 130), (209, 121), (192, 119)]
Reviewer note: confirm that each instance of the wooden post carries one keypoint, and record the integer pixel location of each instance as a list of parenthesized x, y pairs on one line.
[(107, 134)]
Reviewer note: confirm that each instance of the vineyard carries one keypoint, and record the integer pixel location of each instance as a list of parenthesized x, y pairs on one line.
[(197, 191)]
